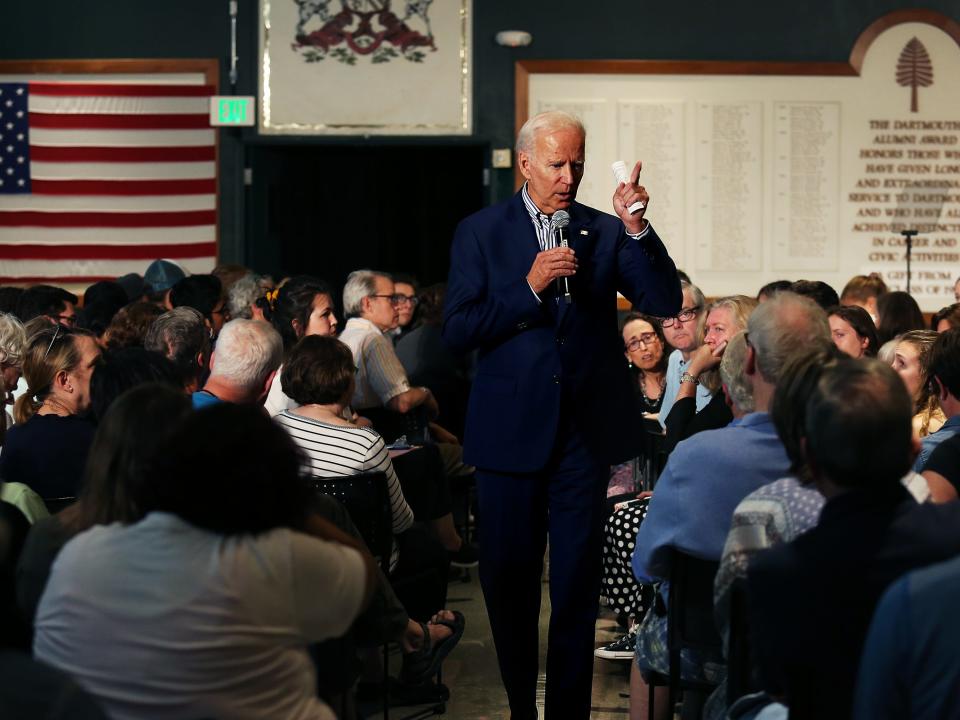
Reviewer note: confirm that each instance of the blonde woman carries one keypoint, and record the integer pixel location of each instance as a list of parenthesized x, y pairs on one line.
[(12, 340), (724, 318), (47, 449), (911, 361)]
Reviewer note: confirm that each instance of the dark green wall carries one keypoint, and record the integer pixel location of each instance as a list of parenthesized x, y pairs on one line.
[(739, 30)]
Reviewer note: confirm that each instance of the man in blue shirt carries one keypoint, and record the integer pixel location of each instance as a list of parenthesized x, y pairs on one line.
[(944, 374), (708, 474), (242, 367)]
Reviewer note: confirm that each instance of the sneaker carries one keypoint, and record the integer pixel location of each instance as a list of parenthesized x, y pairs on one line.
[(466, 557), (620, 649)]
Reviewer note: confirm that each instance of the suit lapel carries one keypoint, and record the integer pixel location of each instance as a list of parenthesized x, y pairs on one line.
[(581, 238)]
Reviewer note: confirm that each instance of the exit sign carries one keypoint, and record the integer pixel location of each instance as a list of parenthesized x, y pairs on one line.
[(232, 110)]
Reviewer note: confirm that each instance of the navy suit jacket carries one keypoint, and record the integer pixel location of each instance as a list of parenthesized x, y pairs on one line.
[(534, 354)]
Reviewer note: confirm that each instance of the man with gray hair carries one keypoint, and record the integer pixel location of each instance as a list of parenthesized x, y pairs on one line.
[(247, 356), (532, 287), (181, 336), (718, 468)]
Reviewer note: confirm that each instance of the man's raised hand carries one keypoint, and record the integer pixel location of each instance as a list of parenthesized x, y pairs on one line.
[(626, 195)]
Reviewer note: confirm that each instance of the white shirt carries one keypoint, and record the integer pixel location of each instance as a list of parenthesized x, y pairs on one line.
[(163, 620), (671, 386), (380, 375), (277, 400)]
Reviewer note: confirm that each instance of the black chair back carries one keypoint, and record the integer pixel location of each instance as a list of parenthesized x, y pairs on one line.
[(367, 499), (741, 679)]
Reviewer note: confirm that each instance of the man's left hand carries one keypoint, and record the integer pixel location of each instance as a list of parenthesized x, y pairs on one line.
[(626, 195)]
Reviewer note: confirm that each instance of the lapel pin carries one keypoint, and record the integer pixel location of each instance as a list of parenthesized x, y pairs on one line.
[(584, 232)]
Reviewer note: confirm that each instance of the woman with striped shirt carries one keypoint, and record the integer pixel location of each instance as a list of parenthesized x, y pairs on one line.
[(319, 376)]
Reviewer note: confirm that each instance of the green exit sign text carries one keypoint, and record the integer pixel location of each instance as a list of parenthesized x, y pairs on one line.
[(232, 110)]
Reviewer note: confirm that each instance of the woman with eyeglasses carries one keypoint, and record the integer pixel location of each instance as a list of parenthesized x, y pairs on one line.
[(48, 447), (643, 346), (724, 318), (302, 306)]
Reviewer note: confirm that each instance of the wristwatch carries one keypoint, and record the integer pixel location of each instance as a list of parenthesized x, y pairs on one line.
[(687, 377)]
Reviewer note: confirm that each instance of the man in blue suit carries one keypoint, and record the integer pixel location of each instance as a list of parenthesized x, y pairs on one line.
[(551, 406)]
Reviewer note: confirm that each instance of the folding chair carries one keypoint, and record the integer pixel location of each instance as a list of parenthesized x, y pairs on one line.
[(367, 499), (690, 625)]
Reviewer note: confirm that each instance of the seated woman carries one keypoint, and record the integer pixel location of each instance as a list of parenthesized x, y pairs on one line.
[(302, 307), (724, 318), (644, 347), (910, 361), (47, 449), (853, 331), (946, 318), (898, 313), (319, 377), (229, 589)]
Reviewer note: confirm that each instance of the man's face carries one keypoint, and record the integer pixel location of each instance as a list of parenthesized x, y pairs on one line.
[(67, 316), (408, 304), (683, 335), (379, 308), (554, 169)]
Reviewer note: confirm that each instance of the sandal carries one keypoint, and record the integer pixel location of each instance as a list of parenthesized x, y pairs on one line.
[(424, 662)]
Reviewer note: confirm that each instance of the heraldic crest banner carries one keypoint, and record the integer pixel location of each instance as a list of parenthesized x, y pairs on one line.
[(365, 67)]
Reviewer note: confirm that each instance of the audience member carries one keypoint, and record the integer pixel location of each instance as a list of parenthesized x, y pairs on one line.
[(811, 599), (160, 276), (242, 296), (909, 666), (645, 348), (716, 469), (203, 293), (181, 336), (724, 318), (943, 382), (9, 296), (135, 288), (888, 351), (53, 303), (772, 288), (407, 291), (912, 362), (120, 370), (14, 632), (853, 331), (942, 470), (681, 333), (47, 448), (228, 274), (129, 326), (13, 340), (429, 362), (946, 318), (101, 301), (898, 313), (818, 291), (864, 291), (302, 307), (190, 558), (243, 365)]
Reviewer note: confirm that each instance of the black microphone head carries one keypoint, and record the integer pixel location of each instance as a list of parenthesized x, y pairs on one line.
[(561, 218)]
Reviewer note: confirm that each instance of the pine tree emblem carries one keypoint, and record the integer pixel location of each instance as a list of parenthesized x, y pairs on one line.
[(914, 69)]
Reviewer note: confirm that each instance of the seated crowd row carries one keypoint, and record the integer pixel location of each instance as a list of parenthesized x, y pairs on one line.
[(139, 422)]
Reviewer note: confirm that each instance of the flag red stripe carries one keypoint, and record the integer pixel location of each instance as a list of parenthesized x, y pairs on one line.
[(107, 89), (34, 218), (46, 153), (124, 187), (96, 121), (106, 252), (54, 279)]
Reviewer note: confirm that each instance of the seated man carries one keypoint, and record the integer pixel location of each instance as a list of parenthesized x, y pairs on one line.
[(181, 336), (811, 600), (709, 473), (248, 355)]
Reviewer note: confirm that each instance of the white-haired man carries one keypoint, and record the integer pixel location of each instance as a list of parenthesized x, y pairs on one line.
[(242, 366), (550, 407)]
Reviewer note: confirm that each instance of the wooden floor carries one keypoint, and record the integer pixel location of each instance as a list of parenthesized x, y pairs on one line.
[(473, 678)]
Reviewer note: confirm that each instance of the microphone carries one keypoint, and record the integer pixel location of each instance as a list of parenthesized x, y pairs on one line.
[(558, 227)]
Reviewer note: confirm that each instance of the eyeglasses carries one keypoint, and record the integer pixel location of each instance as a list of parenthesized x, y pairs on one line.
[(401, 299), (394, 299), (56, 334), (67, 320), (685, 315), (647, 338)]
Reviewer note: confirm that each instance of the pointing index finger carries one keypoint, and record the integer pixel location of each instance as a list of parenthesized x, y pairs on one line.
[(635, 175)]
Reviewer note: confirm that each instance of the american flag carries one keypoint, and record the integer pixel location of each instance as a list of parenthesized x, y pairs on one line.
[(97, 179)]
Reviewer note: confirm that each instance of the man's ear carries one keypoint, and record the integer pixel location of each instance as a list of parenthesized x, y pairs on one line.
[(523, 162), (267, 384), (750, 361)]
